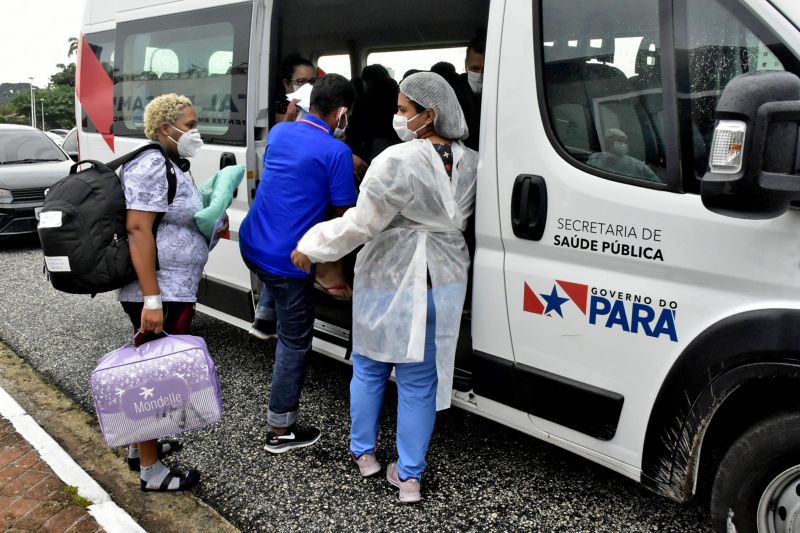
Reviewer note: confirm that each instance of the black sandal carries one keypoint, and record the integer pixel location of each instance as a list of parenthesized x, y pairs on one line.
[(187, 481), (134, 463)]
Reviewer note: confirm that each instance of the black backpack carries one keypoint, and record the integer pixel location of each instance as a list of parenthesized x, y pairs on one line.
[(82, 227)]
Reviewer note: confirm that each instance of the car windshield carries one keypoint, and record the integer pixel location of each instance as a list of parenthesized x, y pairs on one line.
[(26, 146)]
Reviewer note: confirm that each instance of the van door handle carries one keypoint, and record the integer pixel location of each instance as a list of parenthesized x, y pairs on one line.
[(225, 160), (529, 207)]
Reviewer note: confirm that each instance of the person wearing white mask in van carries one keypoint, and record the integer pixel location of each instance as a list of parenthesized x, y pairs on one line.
[(615, 158), (469, 90), (410, 277)]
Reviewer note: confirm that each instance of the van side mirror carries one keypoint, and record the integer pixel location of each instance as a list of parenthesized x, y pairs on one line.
[(754, 164)]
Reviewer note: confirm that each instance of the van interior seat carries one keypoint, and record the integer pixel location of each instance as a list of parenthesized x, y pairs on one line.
[(586, 99), (614, 106), (648, 81), (569, 109)]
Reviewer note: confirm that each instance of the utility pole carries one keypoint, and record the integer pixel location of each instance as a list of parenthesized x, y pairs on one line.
[(33, 104), (42, 101)]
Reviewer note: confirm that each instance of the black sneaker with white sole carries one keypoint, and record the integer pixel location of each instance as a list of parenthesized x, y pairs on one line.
[(264, 329), (296, 436)]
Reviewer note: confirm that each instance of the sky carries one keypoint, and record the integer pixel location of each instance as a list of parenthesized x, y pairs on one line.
[(35, 37)]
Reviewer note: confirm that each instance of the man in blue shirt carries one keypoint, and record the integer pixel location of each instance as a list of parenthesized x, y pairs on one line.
[(306, 170)]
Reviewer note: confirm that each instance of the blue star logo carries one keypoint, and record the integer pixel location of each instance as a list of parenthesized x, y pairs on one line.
[(554, 302)]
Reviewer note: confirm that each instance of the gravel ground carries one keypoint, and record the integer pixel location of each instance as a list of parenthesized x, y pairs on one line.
[(481, 475)]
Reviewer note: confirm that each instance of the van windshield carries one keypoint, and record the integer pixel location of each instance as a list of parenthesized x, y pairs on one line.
[(25, 146)]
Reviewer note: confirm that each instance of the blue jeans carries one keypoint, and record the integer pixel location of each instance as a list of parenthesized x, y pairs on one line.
[(416, 403), (265, 310), (293, 301)]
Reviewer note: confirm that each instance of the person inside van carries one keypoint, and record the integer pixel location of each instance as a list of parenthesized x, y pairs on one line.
[(410, 277), (306, 169), (446, 70), (296, 71), (371, 129), (469, 89), (615, 158), (163, 300)]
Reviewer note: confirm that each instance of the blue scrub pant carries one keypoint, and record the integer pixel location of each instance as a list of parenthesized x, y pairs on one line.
[(416, 403)]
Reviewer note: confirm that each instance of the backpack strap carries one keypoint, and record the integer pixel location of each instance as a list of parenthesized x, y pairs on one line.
[(172, 181)]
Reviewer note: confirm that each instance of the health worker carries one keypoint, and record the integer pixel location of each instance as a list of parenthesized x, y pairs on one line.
[(410, 277)]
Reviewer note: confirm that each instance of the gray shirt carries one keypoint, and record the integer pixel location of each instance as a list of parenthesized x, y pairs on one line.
[(182, 249)]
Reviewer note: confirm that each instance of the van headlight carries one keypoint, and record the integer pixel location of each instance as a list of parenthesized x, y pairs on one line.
[(5, 196), (727, 147)]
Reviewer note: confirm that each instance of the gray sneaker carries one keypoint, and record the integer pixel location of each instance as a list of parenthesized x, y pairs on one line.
[(367, 464), (409, 489)]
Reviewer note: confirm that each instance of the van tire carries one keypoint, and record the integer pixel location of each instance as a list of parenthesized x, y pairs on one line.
[(752, 466)]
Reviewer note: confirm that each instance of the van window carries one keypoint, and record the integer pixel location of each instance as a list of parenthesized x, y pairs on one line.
[(335, 64), (202, 55), (220, 63), (602, 81), (715, 46), (102, 44), (398, 62), (160, 61)]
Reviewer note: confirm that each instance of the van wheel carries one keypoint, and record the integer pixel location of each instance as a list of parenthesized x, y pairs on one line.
[(757, 486)]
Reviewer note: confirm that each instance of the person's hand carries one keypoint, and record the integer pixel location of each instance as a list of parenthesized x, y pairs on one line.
[(359, 168), (223, 230), (152, 321), (301, 261), (291, 110)]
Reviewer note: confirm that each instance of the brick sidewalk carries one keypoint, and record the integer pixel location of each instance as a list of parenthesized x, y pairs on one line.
[(32, 497)]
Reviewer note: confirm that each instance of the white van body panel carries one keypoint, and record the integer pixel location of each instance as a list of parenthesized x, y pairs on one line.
[(790, 9), (490, 332), (704, 273)]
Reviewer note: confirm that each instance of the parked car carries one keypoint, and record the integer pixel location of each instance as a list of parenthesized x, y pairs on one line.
[(60, 132), (30, 162), (70, 144)]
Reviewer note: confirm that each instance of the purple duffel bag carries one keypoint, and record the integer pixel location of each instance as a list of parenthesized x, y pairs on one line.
[(163, 387)]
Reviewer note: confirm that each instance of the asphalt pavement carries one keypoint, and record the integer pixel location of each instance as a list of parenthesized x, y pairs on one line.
[(481, 476)]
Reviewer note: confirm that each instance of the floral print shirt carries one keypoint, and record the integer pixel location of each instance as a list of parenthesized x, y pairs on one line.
[(182, 249)]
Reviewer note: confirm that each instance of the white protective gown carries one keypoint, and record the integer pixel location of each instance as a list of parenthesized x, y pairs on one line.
[(411, 216)]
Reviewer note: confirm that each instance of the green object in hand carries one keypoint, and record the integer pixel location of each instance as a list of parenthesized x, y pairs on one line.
[(217, 195)]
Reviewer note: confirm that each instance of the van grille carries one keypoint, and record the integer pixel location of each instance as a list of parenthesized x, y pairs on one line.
[(28, 195)]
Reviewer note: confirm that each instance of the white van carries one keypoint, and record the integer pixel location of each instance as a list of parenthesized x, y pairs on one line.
[(612, 312)]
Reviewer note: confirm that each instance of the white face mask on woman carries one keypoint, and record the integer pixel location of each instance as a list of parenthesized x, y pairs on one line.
[(189, 143), (338, 132), (400, 125)]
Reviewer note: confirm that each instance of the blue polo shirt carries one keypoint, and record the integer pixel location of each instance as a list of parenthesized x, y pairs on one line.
[(305, 171)]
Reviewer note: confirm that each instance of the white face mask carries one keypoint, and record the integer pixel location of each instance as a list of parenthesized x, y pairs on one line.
[(475, 81), (189, 143), (339, 131), (400, 125), (619, 148)]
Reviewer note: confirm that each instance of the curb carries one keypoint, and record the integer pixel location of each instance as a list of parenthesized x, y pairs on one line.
[(107, 513)]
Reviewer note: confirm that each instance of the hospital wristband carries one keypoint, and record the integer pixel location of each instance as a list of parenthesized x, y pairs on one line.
[(152, 302)]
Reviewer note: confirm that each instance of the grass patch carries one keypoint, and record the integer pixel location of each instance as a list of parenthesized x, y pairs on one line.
[(77, 499)]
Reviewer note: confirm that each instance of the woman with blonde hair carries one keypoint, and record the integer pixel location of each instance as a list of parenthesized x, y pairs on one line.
[(410, 277), (162, 299)]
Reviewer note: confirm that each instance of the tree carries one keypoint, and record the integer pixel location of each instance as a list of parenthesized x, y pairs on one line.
[(65, 76), (59, 107), (73, 46)]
